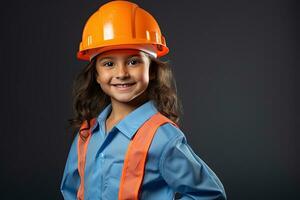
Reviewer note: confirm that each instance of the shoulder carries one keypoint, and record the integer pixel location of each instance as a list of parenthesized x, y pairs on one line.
[(166, 135), (168, 131), (72, 156)]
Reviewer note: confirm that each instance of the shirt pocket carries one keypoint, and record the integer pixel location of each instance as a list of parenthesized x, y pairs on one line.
[(112, 181)]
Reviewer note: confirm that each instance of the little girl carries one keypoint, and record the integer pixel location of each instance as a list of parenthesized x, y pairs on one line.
[(129, 145)]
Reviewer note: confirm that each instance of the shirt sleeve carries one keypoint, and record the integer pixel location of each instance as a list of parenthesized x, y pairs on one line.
[(187, 174), (71, 180)]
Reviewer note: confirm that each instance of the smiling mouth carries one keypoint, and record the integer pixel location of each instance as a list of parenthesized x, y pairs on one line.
[(126, 85)]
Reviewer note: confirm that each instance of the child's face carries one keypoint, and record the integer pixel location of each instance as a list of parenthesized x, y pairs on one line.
[(123, 74)]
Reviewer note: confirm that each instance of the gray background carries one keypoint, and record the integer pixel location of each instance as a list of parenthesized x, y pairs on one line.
[(236, 65)]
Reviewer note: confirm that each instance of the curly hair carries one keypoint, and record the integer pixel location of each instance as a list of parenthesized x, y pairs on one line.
[(89, 99)]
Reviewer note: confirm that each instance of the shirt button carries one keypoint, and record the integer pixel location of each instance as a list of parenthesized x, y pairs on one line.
[(101, 155)]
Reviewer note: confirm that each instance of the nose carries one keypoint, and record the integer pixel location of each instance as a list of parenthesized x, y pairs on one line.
[(122, 72)]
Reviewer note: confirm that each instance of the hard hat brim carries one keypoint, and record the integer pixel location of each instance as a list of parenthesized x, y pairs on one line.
[(150, 49)]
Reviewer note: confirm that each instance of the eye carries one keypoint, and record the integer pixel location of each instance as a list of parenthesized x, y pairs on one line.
[(133, 62), (108, 64)]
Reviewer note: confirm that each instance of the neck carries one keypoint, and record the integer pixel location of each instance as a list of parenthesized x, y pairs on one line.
[(121, 109)]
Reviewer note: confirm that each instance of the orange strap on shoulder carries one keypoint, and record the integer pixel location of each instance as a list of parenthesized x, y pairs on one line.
[(135, 159), (134, 163), (83, 141)]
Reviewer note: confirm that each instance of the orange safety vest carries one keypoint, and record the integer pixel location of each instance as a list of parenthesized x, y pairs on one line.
[(135, 159)]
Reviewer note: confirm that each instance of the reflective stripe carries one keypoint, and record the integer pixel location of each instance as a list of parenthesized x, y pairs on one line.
[(83, 141), (135, 159)]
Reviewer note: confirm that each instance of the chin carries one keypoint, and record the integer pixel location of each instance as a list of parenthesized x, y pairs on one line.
[(123, 99)]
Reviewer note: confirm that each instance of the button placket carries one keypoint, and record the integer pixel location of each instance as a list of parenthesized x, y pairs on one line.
[(102, 156), (101, 163)]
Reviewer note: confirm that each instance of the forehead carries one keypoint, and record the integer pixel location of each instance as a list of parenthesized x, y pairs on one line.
[(121, 53)]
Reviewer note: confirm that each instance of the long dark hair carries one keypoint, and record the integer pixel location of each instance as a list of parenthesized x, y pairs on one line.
[(89, 99)]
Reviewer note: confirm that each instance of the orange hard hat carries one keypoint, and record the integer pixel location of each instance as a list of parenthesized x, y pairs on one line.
[(121, 24)]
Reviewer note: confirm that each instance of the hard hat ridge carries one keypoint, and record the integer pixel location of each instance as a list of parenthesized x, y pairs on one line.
[(121, 24)]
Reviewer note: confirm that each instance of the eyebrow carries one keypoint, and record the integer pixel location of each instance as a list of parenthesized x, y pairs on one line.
[(113, 58)]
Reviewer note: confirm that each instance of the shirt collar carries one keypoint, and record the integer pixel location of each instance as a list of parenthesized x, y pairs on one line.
[(131, 122), (102, 116)]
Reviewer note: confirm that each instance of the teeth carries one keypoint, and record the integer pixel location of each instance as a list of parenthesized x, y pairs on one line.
[(123, 85)]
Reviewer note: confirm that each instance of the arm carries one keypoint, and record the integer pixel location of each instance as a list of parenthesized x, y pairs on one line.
[(187, 174), (71, 180)]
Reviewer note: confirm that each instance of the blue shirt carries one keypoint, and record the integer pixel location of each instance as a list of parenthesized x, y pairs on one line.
[(171, 165)]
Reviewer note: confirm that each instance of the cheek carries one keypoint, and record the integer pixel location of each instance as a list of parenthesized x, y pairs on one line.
[(143, 74), (103, 77), (146, 78)]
